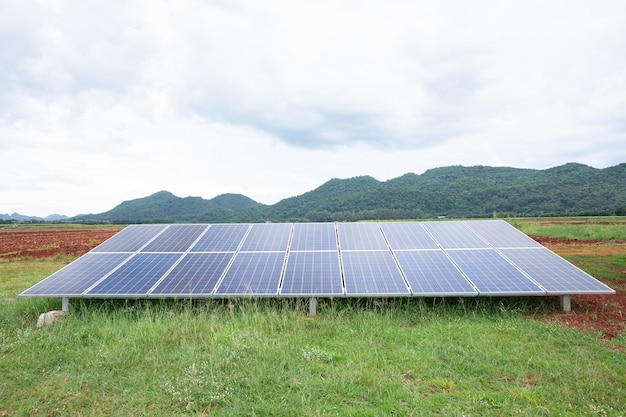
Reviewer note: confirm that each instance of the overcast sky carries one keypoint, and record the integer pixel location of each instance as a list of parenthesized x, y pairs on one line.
[(102, 102)]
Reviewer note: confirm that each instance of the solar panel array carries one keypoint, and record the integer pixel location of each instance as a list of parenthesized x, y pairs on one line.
[(452, 258)]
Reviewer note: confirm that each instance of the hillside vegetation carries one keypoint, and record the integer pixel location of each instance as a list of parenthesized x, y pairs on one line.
[(456, 191)]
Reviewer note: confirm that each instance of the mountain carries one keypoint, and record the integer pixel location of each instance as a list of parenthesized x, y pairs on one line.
[(480, 191), (19, 217), (22, 218), (56, 218), (165, 207), (455, 191), (233, 201), (329, 197)]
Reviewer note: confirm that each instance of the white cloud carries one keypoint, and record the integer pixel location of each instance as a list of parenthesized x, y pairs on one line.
[(100, 104)]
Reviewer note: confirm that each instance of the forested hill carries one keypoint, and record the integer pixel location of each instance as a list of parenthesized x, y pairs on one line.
[(456, 191)]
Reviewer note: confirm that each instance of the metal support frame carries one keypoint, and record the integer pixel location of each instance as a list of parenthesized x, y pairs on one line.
[(312, 306), (566, 302), (65, 304)]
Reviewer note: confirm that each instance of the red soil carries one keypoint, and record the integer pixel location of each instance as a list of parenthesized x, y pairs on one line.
[(40, 243), (582, 247), (603, 313)]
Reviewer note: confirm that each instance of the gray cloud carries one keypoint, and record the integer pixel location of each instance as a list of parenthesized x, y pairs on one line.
[(378, 90)]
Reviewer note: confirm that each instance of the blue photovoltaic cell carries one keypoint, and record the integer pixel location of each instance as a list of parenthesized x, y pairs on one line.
[(267, 237), (78, 276), (176, 238), (374, 259), (360, 236), (195, 274), (372, 273), (221, 238), (253, 273), (430, 272), (454, 235), (500, 234), (137, 276), (407, 236), (491, 274), (554, 273), (130, 239), (312, 273), (314, 236)]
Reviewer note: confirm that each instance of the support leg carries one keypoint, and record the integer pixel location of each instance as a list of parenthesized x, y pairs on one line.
[(312, 306), (566, 302), (65, 304)]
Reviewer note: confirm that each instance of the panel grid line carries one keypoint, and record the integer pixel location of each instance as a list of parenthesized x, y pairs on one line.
[(175, 238), (73, 279), (432, 272), (131, 239), (222, 238), (377, 259), (492, 274), (153, 239), (312, 273), (108, 274)]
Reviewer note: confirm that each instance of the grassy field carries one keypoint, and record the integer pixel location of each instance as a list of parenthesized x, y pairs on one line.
[(585, 230), (420, 357)]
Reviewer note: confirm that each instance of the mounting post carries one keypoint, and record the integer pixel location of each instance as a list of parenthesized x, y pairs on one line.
[(566, 302), (65, 304), (312, 306)]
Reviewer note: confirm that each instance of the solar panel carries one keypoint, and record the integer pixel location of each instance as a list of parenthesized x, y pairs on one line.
[(372, 273), (312, 273), (491, 274), (500, 234), (176, 238), (253, 273), (407, 236), (135, 277), (267, 237), (554, 273), (130, 239), (78, 276), (314, 236), (431, 272), (360, 236), (196, 274), (455, 235), (221, 238), (465, 258)]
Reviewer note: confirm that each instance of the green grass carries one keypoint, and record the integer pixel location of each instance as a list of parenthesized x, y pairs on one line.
[(361, 357), (576, 219), (18, 274), (584, 231), (400, 357)]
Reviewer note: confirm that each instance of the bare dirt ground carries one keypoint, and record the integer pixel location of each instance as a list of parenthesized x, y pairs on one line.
[(603, 313), (582, 247), (39, 243)]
